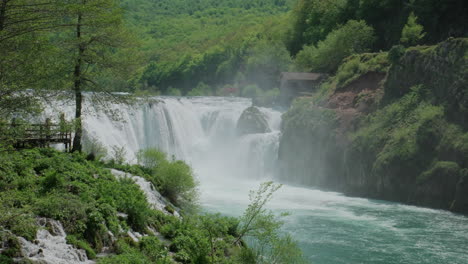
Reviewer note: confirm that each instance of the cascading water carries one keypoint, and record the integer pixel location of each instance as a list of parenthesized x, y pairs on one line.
[(330, 227)]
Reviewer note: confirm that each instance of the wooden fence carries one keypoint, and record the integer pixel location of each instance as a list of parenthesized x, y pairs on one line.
[(37, 135)]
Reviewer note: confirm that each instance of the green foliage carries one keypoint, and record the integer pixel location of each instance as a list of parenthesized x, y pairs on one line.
[(357, 65), (395, 54), (86, 198), (119, 154), (72, 240), (94, 148), (202, 89), (267, 98), (412, 33), (262, 228), (175, 178), (403, 136), (6, 260), (174, 91), (265, 62), (251, 91), (353, 37), (12, 245), (443, 169), (313, 20)]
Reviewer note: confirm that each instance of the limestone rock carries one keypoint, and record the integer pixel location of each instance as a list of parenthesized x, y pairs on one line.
[(252, 121)]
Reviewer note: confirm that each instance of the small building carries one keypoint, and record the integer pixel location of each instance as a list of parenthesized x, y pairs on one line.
[(295, 84)]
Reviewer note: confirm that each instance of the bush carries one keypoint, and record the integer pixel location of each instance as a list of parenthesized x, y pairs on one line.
[(178, 182), (395, 54), (153, 248), (66, 208), (94, 148), (202, 89), (412, 32), (175, 177), (151, 158), (353, 37), (171, 91), (251, 91), (72, 240)]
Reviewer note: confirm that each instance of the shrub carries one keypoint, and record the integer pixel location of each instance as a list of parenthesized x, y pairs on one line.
[(395, 54), (66, 208), (251, 91), (175, 177), (119, 154), (412, 32), (353, 37), (202, 89), (153, 248), (178, 182), (151, 158), (72, 240), (94, 148), (443, 169), (171, 91)]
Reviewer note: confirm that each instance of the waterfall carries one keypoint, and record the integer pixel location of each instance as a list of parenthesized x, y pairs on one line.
[(50, 246), (199, 130)]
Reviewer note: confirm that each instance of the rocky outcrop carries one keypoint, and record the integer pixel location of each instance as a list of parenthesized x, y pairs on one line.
[(154, 198), (50, 246), (252, 121), (400, 135)]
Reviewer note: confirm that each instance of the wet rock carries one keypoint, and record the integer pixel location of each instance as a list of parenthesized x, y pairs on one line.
[(155, 199), (50, 246), (252, 121)]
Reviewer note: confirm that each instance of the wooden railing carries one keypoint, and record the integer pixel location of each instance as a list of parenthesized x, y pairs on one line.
[(24, 135)]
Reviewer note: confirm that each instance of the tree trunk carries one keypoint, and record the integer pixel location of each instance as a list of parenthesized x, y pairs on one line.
[(77, 146), (3, 6)]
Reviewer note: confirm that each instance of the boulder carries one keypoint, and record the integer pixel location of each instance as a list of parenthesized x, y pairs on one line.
[(252, 121)]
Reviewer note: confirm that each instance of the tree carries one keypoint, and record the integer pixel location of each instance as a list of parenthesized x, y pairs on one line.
[(353, 37), (412, 32), (94, 42), (313, 20), (262, 227), (24, 52)]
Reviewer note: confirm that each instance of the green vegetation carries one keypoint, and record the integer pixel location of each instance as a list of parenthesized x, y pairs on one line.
[(314, 19), (408, 141), (353, 37), (175, 178), (412, 32), (86, 198)]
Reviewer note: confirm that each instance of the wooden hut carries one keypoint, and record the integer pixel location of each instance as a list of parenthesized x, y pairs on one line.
[(295, 84)]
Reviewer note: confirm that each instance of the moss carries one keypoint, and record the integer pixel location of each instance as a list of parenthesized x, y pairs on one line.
[(6, 260), (170, 209), (350, 70), (442, 169), (442, 69), (402, 136), (12, 245), (72, 240)]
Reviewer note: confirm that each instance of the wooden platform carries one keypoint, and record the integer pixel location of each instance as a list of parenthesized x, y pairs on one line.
[(37, 135)]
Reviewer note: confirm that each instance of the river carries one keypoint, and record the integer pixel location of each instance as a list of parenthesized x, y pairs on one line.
[(330, 227)]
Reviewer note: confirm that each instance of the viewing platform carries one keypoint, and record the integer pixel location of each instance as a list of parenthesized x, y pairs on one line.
[(24, 135)]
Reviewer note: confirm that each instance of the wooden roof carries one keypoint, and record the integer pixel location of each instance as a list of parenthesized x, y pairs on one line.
[(301, 76)]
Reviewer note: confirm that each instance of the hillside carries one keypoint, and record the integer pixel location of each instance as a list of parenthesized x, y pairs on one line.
[(187, 42)]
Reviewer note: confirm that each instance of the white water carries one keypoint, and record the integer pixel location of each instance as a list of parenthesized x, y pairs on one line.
[(330, 227), (51, 247)]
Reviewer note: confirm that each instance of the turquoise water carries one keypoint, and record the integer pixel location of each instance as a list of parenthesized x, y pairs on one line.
[(332, 228)]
